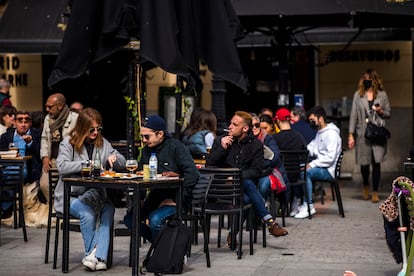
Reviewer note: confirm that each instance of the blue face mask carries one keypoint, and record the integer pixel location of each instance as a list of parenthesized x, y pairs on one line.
[(367, 84)]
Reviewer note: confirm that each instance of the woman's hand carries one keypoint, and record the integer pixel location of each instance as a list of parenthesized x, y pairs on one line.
[(351, 141), (111, 160)]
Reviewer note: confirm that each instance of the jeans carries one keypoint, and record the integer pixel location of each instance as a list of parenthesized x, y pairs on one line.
[(313, 174), (253, 196), (263, 185), (92, 235), (156, 219)]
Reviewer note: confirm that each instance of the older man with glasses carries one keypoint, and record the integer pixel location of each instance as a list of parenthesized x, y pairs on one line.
[(27, 140), (58, 123)]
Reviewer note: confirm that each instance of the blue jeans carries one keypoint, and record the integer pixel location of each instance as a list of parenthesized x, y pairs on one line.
[(253, 196), (264, 186), (92, 235), (313, 174), (156, 219)]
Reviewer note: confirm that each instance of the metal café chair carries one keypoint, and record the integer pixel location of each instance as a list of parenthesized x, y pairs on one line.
[(224, 197), (11, 189), (335, 189), (74, 224), (294, 162)]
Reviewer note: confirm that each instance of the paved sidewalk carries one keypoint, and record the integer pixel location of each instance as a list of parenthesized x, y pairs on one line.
[(326, 245)]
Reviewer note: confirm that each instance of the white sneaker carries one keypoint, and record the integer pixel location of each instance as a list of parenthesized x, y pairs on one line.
[(100, 266), (303, 212), (295, 207), (89, 262)]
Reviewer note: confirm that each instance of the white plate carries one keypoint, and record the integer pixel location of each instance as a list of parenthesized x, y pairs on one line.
[(123, 176)]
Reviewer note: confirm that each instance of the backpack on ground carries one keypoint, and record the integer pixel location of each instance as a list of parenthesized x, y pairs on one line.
[(166, 254)]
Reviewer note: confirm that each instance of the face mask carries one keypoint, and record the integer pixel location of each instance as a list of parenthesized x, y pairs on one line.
[(313, 124), (367, 84)]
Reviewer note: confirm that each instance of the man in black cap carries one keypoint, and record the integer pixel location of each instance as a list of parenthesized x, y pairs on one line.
[(174, 159)]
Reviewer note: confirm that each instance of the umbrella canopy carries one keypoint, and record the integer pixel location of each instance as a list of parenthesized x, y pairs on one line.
[(324, 13), (174, 34)]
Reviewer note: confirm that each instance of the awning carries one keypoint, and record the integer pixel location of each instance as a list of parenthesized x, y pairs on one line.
[(325, 21), (31, 26)]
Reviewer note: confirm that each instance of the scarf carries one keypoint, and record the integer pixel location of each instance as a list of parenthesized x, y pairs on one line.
[(58, 123)]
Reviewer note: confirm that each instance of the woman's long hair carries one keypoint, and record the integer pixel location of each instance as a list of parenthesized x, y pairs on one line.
[(201, 119), (81, 130), (376, 82)]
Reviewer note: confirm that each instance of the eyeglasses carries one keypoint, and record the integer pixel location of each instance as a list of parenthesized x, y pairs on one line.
[(92, 129), (147, 136), (23, 120), (256, 125), (50, 106)]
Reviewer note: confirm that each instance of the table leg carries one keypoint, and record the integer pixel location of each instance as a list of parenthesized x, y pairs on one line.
[(65, 247), (135, 235)]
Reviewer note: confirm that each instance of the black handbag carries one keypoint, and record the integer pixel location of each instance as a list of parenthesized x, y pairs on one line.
[(377, 135)]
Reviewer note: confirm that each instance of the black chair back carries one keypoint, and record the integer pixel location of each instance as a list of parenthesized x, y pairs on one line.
[(295, 163), (11, 189)]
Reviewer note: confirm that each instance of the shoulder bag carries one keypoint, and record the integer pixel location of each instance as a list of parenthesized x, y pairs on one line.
[(375, 132)]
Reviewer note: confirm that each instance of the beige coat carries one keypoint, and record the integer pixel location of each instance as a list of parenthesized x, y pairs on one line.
[(357, 126), (46, 141)]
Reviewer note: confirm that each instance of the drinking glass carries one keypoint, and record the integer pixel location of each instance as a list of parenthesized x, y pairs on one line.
[(131, 165), (86, 170)]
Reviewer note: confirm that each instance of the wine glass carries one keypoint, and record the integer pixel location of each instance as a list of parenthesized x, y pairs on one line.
[(131, 165)]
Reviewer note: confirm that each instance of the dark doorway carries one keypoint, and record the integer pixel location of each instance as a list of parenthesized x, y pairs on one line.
[(261, 65)]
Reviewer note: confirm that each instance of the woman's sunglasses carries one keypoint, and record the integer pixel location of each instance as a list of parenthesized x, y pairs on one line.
[(256, 125), (92, 129)]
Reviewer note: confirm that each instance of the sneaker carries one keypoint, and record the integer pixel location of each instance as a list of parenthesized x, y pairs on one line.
[(303, 212), (90, 261), (295, 207), (276, 230), (100, 265)]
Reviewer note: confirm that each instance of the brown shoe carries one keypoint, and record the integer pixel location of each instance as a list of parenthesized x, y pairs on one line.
[(229, 241), (276, 230), (375, 198), (365, 193)]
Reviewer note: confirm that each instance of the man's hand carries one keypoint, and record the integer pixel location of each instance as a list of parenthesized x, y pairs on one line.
[(170, 174), (46, 164), (226, 141), (27, 138)]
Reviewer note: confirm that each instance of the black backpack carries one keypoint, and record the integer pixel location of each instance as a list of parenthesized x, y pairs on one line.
[(166, 254)]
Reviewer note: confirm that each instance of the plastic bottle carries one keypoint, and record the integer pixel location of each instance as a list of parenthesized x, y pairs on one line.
[(153, 166), (97, 164)]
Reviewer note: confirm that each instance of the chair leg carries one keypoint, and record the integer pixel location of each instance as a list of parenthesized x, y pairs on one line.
[(339, 198), (22, 222), (49, 225), (111, 247), (240, 222), (206, 233), (220, 225), (333, 190), (55, 251)]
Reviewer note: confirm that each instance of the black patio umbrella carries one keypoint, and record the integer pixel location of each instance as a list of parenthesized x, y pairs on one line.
[(175, 35)]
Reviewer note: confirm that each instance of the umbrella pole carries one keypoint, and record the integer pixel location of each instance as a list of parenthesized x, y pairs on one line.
[(133, 116), (218, 107)]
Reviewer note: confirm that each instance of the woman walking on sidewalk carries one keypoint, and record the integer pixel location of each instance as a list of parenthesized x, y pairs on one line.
[(371, 103)]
